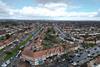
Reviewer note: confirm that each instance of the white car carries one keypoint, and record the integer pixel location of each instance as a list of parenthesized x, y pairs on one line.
[(74, 63), (8, 62), (89, 55), (12, 47), (77, 54), (63, 59), (4, 65)]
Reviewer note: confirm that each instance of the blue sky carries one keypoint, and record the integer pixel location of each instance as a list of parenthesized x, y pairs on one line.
[(50, 9)]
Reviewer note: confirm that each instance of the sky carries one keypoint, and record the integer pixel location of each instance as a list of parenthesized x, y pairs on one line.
[(50, 9)]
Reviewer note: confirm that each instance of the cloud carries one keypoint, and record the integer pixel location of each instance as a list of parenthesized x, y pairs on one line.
[(46, 11), (51, 1), (98, 13), (42, 10), (56, 5), (3, 8), (54, 10)]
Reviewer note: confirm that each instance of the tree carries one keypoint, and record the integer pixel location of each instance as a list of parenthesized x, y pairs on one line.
[(7, 36)]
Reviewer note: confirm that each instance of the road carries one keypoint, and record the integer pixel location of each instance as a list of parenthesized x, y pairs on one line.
[(13, 43), (63, 36), (85, 55), (11, 47), (66, 36), (12, 61)]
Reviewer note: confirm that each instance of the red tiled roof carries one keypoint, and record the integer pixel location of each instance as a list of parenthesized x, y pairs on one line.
[(2, 32), (28, 52), (1, 43), (5, 42), (97, 60), (42, 53)]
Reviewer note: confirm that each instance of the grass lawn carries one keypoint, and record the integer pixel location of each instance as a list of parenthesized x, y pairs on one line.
[(14, 51), (89, 45)]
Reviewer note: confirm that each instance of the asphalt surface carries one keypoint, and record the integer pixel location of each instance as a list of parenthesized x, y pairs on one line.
[(65, 36), (10, 47), (15, 59), (85, 56)]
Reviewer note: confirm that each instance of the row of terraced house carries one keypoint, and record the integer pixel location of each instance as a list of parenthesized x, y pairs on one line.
[(38, 57)]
